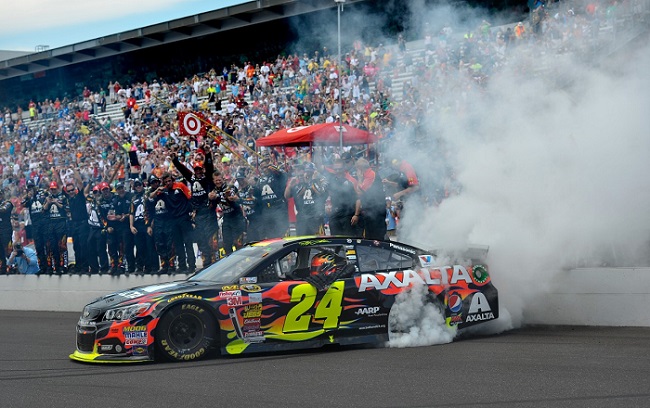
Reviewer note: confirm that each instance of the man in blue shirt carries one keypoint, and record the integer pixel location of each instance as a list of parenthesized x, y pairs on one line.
[(25, 259)]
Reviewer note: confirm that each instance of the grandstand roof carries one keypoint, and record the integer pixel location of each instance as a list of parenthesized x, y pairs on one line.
[(199, 25)]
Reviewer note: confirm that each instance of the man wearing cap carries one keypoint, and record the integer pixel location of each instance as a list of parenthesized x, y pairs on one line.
[(109, 212), (57, 209), (160, 226), (138, 225), (309, 192), (233, 224), (97, 235), (176, 197), (201, 184), (79, 228), (6, 207), (275, 215), (123, 236), (34, 201)]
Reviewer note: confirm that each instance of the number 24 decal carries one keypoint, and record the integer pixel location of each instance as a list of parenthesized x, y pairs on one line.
[(329, 308)]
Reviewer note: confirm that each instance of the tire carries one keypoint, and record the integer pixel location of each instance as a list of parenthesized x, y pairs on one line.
[(185, 332)]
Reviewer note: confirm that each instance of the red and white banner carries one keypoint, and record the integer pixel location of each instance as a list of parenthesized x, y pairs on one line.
[(191, 124)]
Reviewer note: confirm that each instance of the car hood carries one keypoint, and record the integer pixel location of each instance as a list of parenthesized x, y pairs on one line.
[(149, 293)]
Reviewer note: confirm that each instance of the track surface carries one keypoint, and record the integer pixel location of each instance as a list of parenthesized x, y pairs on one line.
[(531, 367)]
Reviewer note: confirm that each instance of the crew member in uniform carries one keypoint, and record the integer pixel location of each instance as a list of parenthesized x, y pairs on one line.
[(201, 184), (97, 235), (34, 201), (6, 231), (79, 228), (233, 222), (250, 196), (309, 193), (275, 216), (138, 226), (57, 209)]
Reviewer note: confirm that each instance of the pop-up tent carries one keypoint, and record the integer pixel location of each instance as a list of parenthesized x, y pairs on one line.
[(324, 134)]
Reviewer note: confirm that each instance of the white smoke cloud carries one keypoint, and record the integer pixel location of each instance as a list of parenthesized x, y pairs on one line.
[(553, 167), (417, 322)]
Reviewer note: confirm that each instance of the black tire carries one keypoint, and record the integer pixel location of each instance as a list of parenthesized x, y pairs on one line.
[(185, 332)]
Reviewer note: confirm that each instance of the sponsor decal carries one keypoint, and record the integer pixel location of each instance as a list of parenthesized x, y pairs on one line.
[(252, 311), (106, 347), (386, 280), (480, 317), (247, 279), (455, 302), (234, 301), (425, 260), (313, 242), (480, 274), (367, 311), (140, 351), (456, 320), (134, 329), (479, 304), (183, 296), (135, 338), (376, 326), (253, 321), (131, 294), (229, 288), (251, 288), (251, 325), (229, 293), (84, 322), (255, 297), (118, 348), (401, 248), (254, 334), (192, 307)]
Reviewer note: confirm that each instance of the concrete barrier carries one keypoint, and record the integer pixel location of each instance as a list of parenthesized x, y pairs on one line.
[(67, 293), (593, 297)]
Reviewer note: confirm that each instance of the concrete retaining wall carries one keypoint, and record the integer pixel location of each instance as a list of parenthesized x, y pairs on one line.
[(594, 297)]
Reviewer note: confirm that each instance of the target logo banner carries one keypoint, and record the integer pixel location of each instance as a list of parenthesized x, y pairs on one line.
[(191, 124)]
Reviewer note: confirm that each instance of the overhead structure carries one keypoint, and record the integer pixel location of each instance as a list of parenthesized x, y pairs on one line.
[(199, 25)]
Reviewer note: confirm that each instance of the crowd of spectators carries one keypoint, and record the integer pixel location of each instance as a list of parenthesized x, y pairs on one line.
[(240, 104)]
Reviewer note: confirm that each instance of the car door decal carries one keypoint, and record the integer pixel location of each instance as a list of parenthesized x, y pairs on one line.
[(328, 310)]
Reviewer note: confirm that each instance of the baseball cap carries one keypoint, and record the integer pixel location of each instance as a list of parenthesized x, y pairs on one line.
[(225, 159), (54, 184), (137, 182), (119, 185)]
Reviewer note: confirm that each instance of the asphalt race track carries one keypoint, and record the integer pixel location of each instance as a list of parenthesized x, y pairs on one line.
[(532, 367)]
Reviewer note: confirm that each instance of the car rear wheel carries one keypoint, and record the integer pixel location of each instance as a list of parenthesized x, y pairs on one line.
[(185, 332)]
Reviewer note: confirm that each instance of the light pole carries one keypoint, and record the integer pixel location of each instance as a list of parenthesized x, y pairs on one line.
[(339, 4)]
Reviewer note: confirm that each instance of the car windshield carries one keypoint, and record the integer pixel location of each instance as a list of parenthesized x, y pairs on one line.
[(237, 264)]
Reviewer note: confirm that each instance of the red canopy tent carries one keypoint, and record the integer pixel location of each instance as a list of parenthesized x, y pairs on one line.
[(324, 134)]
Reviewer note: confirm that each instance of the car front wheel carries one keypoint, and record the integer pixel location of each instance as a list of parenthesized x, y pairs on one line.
[(185, 332)]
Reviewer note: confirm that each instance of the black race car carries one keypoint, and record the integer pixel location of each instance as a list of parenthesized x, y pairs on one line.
[(283, 294)]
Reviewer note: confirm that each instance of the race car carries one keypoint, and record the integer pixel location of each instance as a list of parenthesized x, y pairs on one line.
[(279, 294)]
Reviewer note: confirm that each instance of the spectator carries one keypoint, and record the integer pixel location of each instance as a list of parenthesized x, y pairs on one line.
[(24, 259)]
